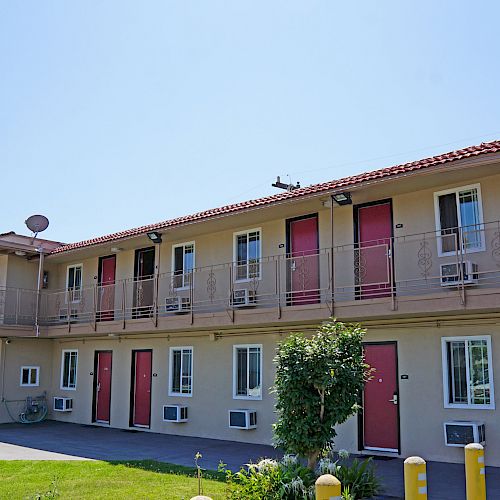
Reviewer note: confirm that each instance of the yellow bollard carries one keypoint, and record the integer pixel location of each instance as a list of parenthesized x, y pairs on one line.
[(327, 488), (415, 479), (475, 477)]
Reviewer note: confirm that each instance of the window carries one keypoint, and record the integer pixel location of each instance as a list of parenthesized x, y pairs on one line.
[(183, 264), (181, 371), (467, 372), (29, 376), (459, 216), (74, 282), (247, 255), (68, 369), (247, 372)]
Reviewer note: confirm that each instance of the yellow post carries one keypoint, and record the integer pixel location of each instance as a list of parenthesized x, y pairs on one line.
[(328, 488), (415, 479), (475, 477)]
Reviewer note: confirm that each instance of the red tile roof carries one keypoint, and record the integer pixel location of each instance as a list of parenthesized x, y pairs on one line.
[(481, 149)]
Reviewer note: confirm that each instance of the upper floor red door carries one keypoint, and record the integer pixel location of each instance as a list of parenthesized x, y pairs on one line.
[(303, 261), (373, 256), (107, 288)]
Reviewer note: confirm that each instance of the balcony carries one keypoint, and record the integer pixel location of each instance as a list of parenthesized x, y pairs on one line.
[(425, 274)]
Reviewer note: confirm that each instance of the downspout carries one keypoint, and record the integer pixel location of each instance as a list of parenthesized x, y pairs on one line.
[(38, 288), (156, 281), (332, 262)]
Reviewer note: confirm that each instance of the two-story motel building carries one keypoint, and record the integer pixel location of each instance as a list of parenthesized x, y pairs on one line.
[(188, 312)]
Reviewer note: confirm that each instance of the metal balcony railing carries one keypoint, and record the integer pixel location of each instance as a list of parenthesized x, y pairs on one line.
[(447, 262)]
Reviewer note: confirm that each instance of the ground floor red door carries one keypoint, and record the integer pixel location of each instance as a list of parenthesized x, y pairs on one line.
[(103, 360), (303, 261), (141, 388), (373, 254), (380, 399)]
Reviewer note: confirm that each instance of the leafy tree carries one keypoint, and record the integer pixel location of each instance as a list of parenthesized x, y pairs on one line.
[(319, 381)]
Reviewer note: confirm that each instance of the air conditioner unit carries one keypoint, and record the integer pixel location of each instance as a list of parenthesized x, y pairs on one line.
[(177, 304), (244, 298), (175, 413), (63, 314), (450, 273), (63, 404), (460, 433), (242, 419)]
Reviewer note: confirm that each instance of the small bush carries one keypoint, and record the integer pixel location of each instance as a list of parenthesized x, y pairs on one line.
[(358, 477), (286, 479)]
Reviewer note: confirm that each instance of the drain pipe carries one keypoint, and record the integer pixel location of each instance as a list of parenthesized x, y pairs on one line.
[(38, 288)]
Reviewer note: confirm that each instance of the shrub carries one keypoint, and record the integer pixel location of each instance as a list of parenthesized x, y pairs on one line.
[(286, 479), (319, 381), (358, 477)]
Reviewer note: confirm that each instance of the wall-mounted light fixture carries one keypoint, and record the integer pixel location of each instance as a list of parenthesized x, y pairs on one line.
[(342, 198), (154, 236)]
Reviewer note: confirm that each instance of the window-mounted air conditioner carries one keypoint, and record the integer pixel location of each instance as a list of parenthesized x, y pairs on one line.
[(177, 304), (461, 433), (63, 314), (175, 413), (63, 404), (450, 273), (242, 419), (243, 298)]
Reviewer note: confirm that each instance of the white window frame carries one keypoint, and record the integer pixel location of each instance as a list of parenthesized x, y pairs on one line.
[(64, 388), (437, 216), (235, 254), (37, 383), (74, 266), (446, 375), (171, 371), (235, 371), (183, 245)]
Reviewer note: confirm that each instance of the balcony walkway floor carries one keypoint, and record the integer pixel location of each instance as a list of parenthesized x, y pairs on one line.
[(52, 440)]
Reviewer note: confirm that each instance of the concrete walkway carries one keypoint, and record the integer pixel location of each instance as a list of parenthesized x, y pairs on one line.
[(60, 441)]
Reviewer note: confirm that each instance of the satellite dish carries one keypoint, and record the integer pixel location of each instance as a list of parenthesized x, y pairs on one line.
[(37, 223)]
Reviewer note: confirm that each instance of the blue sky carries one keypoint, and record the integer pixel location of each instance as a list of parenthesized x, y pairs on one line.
[(115, 114)]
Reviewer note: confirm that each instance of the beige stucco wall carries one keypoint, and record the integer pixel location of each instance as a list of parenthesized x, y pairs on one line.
[(415, 211), (22, 273), (212, 385), (4, 259), (422, 411), (421, 395), (13, 355)]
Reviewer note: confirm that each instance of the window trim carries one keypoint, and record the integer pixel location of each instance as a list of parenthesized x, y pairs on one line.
[(62, 387), (183, 245), (171, 371), (37, 383), (235, 371), (446, 375), (235, 254), (437, 217), (74, 266)]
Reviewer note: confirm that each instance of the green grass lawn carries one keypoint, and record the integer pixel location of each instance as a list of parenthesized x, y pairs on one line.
[(21, 479)]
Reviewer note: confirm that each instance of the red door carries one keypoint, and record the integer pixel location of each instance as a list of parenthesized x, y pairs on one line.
[(373, 262), (107, 288), (380, 401), (142, 388), (103, 386), (303, 261)]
